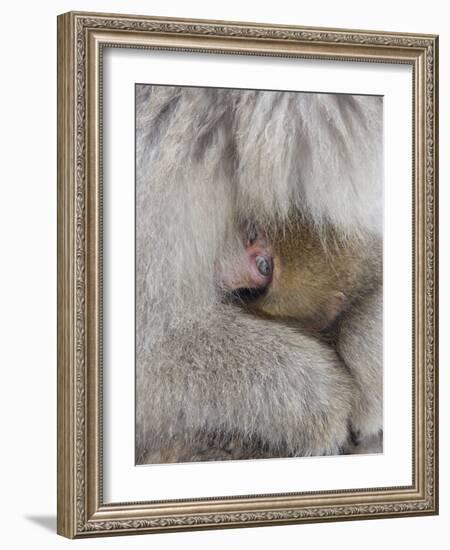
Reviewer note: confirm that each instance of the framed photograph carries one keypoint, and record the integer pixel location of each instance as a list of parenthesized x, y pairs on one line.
[(247, 274)]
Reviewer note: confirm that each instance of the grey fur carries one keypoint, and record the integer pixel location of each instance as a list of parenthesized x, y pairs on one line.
[(238, 377), (360, 345), (213, 382)]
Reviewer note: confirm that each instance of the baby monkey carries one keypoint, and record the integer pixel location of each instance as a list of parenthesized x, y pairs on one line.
[(328, 286), (302, 275)]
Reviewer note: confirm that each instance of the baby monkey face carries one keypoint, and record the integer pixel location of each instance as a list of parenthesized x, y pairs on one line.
[(291, 274), (252, 267)]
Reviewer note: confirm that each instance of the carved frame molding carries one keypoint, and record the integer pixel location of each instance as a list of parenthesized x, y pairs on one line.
[(81, 37)]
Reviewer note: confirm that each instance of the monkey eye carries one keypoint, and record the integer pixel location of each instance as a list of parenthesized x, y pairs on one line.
[(263, 265)]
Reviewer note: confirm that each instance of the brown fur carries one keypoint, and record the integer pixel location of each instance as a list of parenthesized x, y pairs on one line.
[(318, 277)]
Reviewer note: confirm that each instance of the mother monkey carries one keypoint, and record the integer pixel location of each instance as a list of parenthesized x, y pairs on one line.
[(217, 381)]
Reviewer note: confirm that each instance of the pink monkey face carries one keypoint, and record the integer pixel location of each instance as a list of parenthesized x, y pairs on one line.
[(253, 268)]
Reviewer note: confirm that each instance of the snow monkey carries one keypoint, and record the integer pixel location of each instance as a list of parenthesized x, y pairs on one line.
[(219, 378)]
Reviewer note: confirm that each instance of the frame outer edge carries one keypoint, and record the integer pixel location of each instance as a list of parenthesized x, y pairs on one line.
[(66, 524), (436, 268), (249, 24), (75, 236)]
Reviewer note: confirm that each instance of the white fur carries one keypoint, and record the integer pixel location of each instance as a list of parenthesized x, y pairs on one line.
[(207, 160)]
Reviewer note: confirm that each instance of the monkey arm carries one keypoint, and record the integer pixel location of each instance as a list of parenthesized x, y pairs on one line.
[(234, 386), (360, 345)]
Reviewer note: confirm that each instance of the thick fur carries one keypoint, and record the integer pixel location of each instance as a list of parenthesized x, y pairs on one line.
[(247, 382), (212, 381)]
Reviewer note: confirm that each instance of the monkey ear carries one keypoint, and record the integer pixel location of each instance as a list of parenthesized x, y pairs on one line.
[(338, 303)]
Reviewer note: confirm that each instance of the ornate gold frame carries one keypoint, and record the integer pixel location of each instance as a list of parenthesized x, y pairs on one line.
[(81, 37)]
